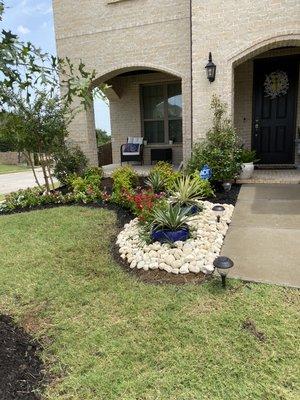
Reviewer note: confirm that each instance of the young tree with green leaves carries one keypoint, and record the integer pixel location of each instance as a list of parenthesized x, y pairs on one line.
[(37, 93)]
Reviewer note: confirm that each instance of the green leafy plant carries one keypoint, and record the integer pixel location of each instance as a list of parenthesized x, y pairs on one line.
[(86, 188), (171, 217), (31, 198), (220, 150), (157, 182), (188, 190), (69, 161), (248, 156), (124, 181), (166, 173)]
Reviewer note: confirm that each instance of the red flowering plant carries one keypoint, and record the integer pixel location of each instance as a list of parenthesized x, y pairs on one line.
[(142, 202)]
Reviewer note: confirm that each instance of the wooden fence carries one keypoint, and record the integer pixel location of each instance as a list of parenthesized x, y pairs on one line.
[(105, 154)]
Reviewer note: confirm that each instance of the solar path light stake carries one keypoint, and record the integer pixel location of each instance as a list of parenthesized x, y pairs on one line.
[(223, 264), (218, 210)]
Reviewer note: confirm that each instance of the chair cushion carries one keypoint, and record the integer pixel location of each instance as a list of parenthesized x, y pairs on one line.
[(131, 149), (135, 140)]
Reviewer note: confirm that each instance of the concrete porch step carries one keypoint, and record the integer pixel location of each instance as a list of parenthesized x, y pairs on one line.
[(287, 176)]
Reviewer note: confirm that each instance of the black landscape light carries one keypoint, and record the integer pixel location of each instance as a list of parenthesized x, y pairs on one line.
[(210, 69), (223, 264), (218, 210)]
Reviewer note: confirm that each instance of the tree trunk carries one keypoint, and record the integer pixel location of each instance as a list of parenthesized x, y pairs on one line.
[(30, 162), (49, 170), (44, 169)]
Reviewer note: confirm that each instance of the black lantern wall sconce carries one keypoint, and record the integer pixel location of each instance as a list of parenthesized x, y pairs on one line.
[(210, 69)]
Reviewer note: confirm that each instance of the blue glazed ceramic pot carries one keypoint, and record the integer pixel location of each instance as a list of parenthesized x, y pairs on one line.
[(166, 235), (192, 210)]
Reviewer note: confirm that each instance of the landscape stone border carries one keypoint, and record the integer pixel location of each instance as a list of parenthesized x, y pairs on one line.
[(194, 255)]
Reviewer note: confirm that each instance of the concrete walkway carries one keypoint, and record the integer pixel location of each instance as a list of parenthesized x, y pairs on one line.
[(263, 239), (18, 180)]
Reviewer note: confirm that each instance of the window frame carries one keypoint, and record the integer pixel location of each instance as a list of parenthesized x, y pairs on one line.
[(166, 118)]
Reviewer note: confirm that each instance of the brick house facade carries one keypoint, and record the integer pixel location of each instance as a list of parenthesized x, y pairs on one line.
[(147, 49)]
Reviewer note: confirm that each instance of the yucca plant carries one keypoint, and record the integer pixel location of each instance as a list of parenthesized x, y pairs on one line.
[(189, 190), (156, 182), (172, 217)]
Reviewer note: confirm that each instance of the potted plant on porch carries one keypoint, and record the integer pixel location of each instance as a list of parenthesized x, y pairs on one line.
[(248, 158), (169, 224)]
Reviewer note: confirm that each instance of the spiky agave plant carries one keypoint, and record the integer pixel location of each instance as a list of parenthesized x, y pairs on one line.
[(188, 191), (171, 217), (156, 182)]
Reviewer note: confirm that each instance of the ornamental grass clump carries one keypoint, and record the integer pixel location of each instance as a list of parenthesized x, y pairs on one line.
[(189, 190), (156, 182), (167, 175), (170, 217), (169, 223)]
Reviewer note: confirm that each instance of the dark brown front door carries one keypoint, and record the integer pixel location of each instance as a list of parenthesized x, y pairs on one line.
[(274, 109)]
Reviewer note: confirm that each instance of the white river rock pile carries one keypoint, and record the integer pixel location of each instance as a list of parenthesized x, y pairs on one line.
[(194, 255)]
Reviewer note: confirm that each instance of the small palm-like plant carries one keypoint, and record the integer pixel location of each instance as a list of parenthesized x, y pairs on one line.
[(156, 182), (171, 217), (189, 190)]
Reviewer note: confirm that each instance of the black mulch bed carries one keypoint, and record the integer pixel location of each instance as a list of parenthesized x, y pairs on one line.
[(22, 374), (226, 198)]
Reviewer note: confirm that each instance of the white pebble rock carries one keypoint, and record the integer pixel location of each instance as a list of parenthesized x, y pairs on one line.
[(194, 255)]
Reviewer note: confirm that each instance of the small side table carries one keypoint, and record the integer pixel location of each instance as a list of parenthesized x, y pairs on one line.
[(162, 154)]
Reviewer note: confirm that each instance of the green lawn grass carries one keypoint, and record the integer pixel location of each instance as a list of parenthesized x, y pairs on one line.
[(7, 169), (108, 336)]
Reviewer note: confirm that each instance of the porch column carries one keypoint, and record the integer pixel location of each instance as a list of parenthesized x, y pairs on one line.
[(82, 133), (186, 119)]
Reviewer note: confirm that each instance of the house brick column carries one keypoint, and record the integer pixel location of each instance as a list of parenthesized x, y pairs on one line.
[(82, 133), (186, 118)]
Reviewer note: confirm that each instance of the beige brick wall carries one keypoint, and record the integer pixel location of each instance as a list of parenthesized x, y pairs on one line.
[(234, 31), (116, 36)]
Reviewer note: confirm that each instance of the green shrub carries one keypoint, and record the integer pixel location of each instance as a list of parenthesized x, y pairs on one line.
[(220, 150), (69, 161), (86, 188), (94, 172), (125, 180), (167, 174)]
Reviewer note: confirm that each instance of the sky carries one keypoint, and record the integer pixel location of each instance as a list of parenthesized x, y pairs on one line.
[(32, 20)]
